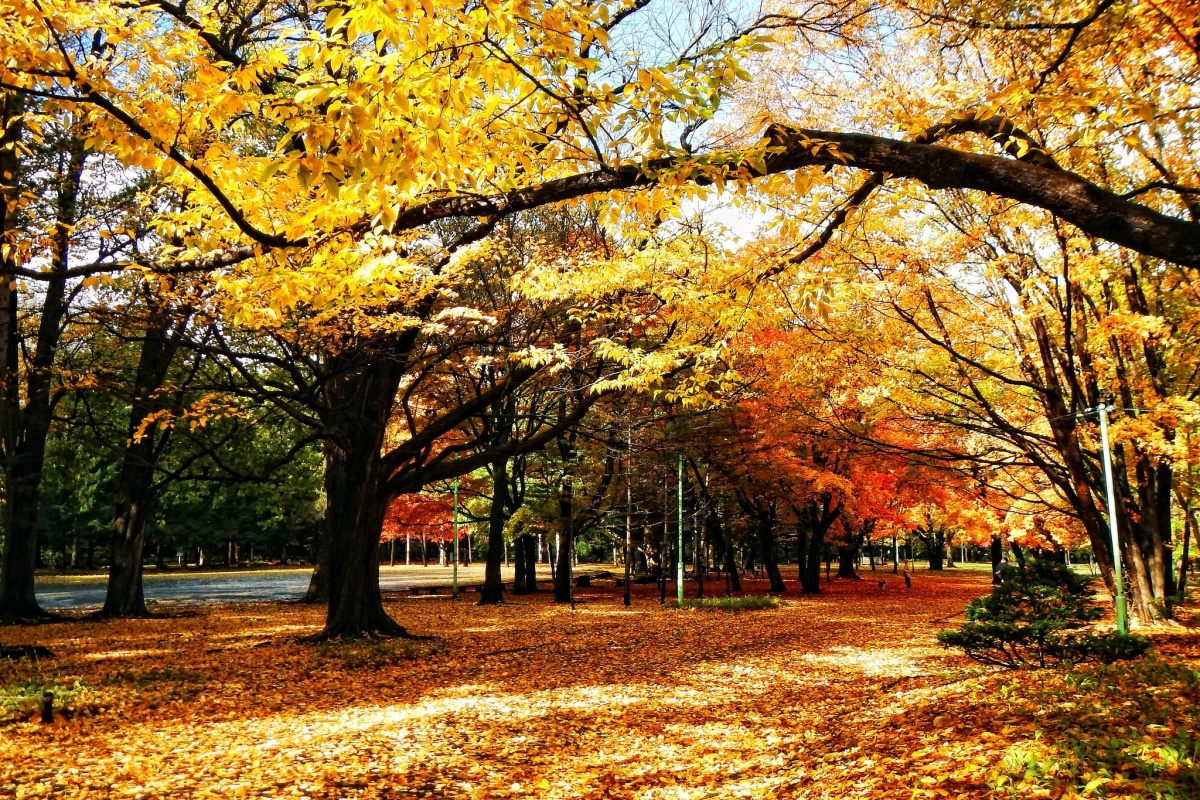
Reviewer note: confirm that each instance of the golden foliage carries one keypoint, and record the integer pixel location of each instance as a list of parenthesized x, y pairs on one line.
[(841, 695)]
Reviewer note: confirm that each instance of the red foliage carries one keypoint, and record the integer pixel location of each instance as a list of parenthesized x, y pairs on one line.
[(417, 514)]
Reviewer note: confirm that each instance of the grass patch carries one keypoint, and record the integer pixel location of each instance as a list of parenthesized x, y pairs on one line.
[(23, 700), (750, 602), (377, 653), (1104, 730)]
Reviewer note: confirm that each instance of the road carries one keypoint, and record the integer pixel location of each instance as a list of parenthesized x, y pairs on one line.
[(59, 592)]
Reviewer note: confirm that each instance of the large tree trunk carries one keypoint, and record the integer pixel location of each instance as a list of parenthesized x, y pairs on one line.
[(26, 429), (359, 405), (124, 597), (18, 600), (846, 557), (937, 553), (355, 513)]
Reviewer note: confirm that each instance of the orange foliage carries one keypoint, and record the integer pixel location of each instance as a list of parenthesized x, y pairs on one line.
[(420, 514), (841, 695)]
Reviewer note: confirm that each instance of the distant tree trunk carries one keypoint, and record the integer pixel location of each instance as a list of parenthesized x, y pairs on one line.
[(801, 554), (933, 536), (731, 570), (766, 544), (721, 542), (997, 553), (135, 490), (818, 516), (845, 556), (493, 583), (566, 542), (526, 559)]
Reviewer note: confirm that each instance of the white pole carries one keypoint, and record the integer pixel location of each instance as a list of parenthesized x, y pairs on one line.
[(1118, 579)]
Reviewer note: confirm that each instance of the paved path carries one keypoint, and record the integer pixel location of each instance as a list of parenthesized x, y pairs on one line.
[(250, 585)]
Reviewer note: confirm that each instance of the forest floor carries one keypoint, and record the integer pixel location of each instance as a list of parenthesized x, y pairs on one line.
[(842, 695)]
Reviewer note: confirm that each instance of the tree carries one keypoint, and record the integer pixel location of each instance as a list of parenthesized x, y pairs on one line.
[(29, 390), (319, 175)]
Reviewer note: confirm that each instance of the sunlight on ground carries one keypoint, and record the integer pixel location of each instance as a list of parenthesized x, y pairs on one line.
[(838, 696)]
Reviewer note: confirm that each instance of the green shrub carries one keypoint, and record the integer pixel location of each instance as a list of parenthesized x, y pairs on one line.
[(747, 603), (23, 699), (1036, 618)]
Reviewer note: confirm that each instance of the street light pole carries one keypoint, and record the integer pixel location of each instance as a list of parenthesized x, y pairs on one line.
[(679, 532), (1122, 612)]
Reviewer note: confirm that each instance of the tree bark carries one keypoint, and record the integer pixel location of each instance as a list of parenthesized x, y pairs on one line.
[(355, 514), (359, 403), (846, 557), (493, 583), (731, 569), (525, 549), (563, 591), (818, 516), (317, 592), (124, 597), (27, 428), (764, 524), (997, 552)]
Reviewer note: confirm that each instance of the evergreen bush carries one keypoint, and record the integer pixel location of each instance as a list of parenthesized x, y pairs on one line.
[(1037, 617)]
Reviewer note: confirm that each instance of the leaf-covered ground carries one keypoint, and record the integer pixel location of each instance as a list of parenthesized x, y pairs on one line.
[(838, 696)]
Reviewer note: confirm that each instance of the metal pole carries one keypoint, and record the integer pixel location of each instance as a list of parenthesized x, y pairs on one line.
[(454, 579), (1118, 579), (679, 533)]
